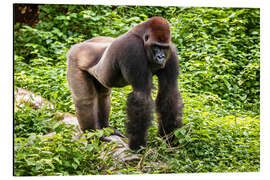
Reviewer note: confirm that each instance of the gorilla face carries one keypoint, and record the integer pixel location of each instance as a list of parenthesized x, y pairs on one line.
[(160, 53), (157, 51)]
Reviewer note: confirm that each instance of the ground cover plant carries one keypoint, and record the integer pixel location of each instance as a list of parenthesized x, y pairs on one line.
[(219, 58)]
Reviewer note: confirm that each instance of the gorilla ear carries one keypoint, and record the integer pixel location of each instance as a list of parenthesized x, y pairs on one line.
[(146, 37)]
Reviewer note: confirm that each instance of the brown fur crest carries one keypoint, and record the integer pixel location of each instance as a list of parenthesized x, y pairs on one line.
[(160, 29)]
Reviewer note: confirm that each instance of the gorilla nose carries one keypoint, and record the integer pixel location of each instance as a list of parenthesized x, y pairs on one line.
[(160, 58)]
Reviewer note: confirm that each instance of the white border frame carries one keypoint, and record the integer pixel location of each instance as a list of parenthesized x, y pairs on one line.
[(7, 86)]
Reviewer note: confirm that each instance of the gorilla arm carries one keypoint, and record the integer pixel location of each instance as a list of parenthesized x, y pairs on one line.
[(169, 102)]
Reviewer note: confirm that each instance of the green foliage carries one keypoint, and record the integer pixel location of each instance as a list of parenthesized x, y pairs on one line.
[(219, 55), (61, 155), (28, 120), (45, 77), (218, 144), (219, 51)]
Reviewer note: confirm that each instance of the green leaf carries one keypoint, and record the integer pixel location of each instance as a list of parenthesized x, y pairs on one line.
[(38, 166), (74, 165), (90, 147), (76, 160)]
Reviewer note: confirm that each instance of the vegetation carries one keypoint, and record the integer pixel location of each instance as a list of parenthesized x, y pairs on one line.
[(219, 58)]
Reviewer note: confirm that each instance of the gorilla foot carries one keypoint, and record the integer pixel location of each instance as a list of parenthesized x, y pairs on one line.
[(104, 139), (109, 138)]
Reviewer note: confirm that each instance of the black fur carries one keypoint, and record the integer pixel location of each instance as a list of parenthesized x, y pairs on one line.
[(139, 111), (169, 102)]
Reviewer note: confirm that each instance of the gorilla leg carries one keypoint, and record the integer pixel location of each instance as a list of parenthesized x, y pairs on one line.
[(168, 101), (104, 106), (85, 98)]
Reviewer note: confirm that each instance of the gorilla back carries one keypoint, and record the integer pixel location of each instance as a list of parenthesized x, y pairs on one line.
[(98, 64)]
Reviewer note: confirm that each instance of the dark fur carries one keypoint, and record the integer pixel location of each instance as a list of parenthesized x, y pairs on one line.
[(169, 102), (98, 64), (139, 111)]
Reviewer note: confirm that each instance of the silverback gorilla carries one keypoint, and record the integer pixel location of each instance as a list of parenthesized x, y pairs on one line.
[(98, 64)]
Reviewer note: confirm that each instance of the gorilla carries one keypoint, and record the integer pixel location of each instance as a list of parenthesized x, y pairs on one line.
[(101, 63)]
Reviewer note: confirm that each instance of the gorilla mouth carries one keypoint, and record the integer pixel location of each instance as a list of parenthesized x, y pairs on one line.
[(159, 62), (159, 55)]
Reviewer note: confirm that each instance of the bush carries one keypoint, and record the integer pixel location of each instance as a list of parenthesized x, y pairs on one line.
[(219, 53)]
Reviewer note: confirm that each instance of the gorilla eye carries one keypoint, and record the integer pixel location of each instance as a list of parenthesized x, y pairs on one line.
[(146, 37)]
